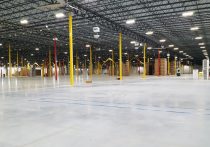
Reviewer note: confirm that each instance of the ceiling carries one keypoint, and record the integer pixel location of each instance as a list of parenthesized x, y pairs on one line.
[(163, 17)]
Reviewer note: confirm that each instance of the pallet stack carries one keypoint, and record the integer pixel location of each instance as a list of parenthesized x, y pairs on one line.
[(147, 68), (163, 67), (172, 66), (126, 69)]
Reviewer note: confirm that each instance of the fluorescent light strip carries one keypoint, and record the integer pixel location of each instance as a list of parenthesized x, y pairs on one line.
[(59, 15), (130, 21), (149, 33), (187, 14), (198, 38), (171, 45), (24, 21), (194, 28), (162, 40), (201, 44)]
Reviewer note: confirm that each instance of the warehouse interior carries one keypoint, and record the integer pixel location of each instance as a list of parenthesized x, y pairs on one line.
[(104, 73)]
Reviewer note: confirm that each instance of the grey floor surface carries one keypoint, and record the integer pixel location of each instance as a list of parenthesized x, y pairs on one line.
[(156, 112)]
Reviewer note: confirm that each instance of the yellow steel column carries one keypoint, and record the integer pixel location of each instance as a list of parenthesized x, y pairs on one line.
[(71, 66), (120, 55), (112, 62), (91, 64), (144, 74), (10, 64), (50, 65)]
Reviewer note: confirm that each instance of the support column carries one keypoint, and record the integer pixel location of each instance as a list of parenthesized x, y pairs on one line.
[(22, 61), (128, 64), (55, 58), (175, 65), (120, 55), (17, 63), (145, 70), (91, 64), (77, 65), (43, 73), (168, 65), (50, 65), (159, 62), (10, 64), (71, 66), (112, 62)]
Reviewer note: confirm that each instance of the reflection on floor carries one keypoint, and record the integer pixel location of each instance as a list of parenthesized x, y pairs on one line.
[(156, 112)]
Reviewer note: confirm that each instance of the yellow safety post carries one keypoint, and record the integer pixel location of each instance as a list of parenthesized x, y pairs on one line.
[(120, 55), (71, 66), (144, 73), (113, 63), (91, 64), (10, 64), (17, 63), (50, 65)]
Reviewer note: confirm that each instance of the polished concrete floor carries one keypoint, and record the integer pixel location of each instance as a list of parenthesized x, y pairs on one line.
[(156, 112)]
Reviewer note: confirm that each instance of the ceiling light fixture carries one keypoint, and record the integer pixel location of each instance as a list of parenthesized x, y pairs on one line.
[(37, 49), (194, 28), (0, 44), (59, 15), (162, 40), (171, 45), (187, 14), (149, 48), (149, 33), (202, 47), (130, 21), (176, 48), (133, 42), (87, 45), (201, 44), (24, 21), (198, 38)]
